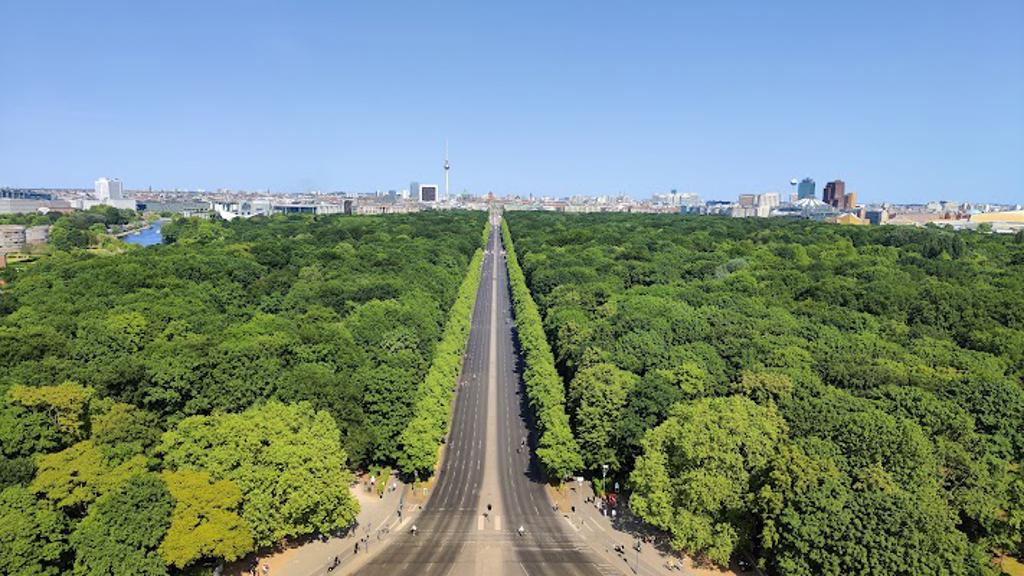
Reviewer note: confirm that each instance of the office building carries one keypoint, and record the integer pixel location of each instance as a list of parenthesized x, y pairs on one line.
[(423, 192), (108, 189), (675, 198), (22, 201), (318, 209), (834, 193), (107, 192), (877, 217), (428, 193), (769, 200), (805, 189)]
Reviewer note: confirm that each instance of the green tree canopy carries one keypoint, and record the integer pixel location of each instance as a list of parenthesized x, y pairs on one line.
[(205, 521), (74, 477), (597, 396), (65, 405), (33, 534), (699, 471), (123, 529), (285, 458)]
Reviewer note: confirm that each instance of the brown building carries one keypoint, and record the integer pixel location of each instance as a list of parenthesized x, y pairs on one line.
[(835, 196), (834, 193)]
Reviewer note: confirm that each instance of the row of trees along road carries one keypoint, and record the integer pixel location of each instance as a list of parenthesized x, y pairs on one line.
[(164, 409), (432, 409), (557, 450), (827, 399)]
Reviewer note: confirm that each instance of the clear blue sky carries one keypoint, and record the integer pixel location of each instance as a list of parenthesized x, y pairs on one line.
[(905, 100)]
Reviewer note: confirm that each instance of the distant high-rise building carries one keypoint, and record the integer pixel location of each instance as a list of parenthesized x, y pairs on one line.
[(428, 192), (850, 201), (414, 191), (769, 200), (108, 189), (835, 195), (805, 189)]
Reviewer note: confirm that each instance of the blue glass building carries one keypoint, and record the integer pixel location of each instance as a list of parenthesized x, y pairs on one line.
[(805, 189)]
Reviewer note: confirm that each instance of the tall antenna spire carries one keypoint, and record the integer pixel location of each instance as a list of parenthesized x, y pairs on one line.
[(447, 167)]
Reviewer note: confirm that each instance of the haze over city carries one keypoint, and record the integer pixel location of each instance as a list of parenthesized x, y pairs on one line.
[(907, 102)]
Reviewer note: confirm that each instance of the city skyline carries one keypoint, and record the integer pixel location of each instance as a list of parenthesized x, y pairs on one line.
[(551, 101)]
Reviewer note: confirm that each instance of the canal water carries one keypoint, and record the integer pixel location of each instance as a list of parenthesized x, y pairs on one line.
[(148, 236)]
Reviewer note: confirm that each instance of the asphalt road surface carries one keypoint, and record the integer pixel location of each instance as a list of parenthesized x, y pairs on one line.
[(489, 485)]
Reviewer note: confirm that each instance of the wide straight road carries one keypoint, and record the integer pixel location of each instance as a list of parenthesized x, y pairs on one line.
[(488, 485)]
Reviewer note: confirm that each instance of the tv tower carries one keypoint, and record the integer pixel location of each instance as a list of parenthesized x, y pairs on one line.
[(447, 167)]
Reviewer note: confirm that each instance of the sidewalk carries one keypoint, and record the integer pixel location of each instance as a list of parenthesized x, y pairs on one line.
[(603, 534), (377, 521)]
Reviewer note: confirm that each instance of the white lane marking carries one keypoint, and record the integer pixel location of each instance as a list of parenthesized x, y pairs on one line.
[(524, 569), (497, 522), (571, 524)]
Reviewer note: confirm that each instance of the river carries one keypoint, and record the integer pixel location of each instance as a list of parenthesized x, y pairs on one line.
[(148, 236)]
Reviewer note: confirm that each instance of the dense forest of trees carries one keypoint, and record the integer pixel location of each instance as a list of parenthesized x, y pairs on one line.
[(167, 408), (828, 399)]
